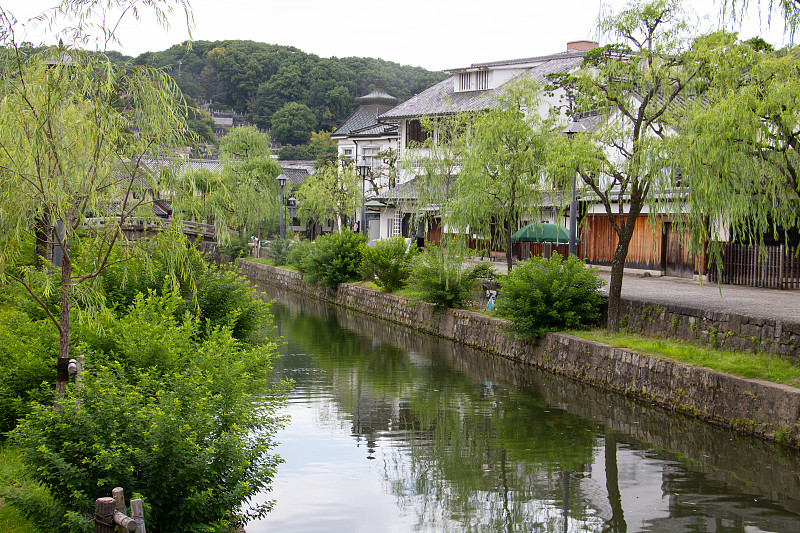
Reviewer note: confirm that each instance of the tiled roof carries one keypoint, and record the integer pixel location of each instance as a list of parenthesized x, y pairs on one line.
[(378, 97), (297, 171), (363, 117), (375, 130), (441, 99), (522, 61)]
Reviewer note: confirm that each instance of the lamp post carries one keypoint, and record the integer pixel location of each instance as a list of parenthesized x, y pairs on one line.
[(363, 171), (282, 180), (570, 131)]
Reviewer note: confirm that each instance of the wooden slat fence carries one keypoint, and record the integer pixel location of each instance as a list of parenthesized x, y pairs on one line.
[(775, 267), (541, 249)]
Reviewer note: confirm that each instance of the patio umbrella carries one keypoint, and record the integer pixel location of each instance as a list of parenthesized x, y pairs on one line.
[(543, 232)]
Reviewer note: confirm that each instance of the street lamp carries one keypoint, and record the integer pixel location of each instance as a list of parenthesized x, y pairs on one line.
[(282, 180), (570, 131), (363, 171)]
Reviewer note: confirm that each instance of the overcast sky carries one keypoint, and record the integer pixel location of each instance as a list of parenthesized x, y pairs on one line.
[(435, 34)]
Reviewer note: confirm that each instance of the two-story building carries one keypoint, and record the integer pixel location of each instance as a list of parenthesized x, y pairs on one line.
[(470, 89)]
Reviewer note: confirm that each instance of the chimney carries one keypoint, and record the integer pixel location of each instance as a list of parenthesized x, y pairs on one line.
[(581, 46)]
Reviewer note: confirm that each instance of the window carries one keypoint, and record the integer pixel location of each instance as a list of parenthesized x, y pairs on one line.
[(347, 153), (415, 133), (371, 156), (464, 79), (482, 81)]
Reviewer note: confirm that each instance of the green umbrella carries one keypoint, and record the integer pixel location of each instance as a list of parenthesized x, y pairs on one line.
[(543, 232)]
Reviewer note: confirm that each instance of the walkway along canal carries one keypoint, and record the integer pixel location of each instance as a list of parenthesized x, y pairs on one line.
[(395, 430)]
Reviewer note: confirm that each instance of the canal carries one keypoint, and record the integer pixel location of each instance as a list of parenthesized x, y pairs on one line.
[(393, 431)]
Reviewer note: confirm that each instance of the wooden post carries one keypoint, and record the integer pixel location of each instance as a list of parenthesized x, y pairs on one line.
[(126, 523), (104, 515), (137, 512), (119, 499)]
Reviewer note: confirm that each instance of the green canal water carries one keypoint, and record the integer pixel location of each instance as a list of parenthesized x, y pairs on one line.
[(394, 431)]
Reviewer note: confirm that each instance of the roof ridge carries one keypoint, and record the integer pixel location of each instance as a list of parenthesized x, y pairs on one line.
[(556, 55)]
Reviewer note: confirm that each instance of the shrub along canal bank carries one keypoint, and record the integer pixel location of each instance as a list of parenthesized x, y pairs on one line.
[(767, 410)]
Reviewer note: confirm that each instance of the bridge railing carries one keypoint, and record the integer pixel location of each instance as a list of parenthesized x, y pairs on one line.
[(155, 224)]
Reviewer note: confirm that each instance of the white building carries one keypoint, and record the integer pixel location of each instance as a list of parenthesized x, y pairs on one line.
[(469, 89)]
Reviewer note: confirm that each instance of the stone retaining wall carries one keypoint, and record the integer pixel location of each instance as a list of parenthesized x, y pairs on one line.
[(761, 408), (725, 330)]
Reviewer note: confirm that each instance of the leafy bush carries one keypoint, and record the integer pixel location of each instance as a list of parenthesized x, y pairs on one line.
[(300, 254), (542, 295), (279, 251), (440, 276), (336, 258), (171, 414), (238, 246), (28, 352), (388, 263), (218, 296)]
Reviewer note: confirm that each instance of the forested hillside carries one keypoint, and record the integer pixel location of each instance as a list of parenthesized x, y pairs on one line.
[(271, 84)]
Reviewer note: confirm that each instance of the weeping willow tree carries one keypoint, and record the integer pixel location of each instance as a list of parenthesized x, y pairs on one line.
[(248, 193), (632, 86), (83, 145), (738, 148), (789, 11), (502, 153), (330, 193)]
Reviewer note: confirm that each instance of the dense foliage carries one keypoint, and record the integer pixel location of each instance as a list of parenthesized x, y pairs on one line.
[(258, 79), (164, 410), (279, 251), (336, 258), (542, 295), (28, 351), (174, 402), (300, 254), (388, 262), (441, 276)]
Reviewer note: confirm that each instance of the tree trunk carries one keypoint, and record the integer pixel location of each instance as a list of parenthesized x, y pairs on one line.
[(62, 375), (617, 271), (509, 247)]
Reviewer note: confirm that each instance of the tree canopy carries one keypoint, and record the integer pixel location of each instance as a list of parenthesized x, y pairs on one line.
[(633, 85), (258, 79), (503, 159), (738, 148)]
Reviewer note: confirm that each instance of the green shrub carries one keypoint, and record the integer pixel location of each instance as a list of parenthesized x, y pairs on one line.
[(170, 414), (300, 254), (541, 295), (226, 298), (388, 263), (440, 276), (279, 251), (336, 258), (28, 352), (218, 296), (238, 246)]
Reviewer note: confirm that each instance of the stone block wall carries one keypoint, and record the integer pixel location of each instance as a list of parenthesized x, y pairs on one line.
[(760, 408), (724, 330)]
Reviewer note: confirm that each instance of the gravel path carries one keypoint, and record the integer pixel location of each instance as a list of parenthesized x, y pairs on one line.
[(749, 301)]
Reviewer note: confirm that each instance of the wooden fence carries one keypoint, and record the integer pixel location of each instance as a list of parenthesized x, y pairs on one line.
[(775, 267), (110, 517), (540, 249)]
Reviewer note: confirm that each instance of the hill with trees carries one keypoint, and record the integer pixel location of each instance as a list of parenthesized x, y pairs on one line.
[(281, 87)]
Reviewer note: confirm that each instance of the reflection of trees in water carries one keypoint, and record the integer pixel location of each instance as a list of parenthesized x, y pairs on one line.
[(466, 456), (471, 455)]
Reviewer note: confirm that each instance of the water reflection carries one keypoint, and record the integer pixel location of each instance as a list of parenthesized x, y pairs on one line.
[(397, 431)]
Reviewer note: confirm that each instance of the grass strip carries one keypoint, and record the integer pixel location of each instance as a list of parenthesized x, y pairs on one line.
[(738, 363), (12, 478)]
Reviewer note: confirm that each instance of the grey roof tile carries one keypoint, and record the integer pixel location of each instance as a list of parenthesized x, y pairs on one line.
[(441, 99)]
